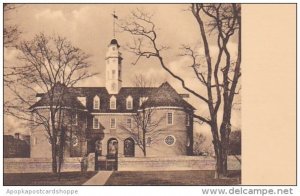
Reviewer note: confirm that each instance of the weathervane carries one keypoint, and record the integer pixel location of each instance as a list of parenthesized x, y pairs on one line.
[(114, 18)]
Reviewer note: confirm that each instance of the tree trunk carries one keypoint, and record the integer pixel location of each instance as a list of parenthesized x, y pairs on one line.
[(225, 132), (54, 161), (219, 159), (144, 143), (218, 151)]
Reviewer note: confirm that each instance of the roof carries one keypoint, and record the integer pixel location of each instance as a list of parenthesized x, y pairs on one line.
[(62, 96), (114, 41), (165, 95)]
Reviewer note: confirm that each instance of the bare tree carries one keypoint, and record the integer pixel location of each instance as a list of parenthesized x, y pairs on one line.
[(47, 65), (10, 32), (221, 22), (143, 125)]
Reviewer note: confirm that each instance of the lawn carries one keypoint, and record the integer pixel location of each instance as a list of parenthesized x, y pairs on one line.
[(203, 177), (67, 178)]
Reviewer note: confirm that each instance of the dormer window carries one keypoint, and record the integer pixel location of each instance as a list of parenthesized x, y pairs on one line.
[(96, 104), (129, 104), (112, 103)]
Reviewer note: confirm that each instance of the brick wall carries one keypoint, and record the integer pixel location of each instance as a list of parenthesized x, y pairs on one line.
[(158, 148), (35, 165), (32, 165), (40, 146), (173, 163)]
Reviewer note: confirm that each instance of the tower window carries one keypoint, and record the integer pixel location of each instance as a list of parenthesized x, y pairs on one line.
[(119, 73), (112, 102), (113, 48), (114, 74), (113, 86)]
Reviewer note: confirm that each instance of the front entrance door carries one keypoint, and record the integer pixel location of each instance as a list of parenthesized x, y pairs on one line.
[(129, 147), (112, 148)]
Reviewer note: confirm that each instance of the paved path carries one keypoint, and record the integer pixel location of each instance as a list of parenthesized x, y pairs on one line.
[(99, 179)]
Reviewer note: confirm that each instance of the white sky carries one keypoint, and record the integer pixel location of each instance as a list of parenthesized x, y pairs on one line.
[(90, 28)]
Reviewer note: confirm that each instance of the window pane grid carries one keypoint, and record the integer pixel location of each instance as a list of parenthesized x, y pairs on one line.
[(112, 123), (96, 123), (170, 118)]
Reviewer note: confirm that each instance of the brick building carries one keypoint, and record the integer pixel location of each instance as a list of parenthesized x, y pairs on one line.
[(103, 118)]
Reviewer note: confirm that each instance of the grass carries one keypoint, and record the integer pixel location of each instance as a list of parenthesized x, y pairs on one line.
[(31, 179), (203, 177)]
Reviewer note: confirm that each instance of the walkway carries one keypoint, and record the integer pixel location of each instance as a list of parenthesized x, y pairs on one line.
[(99, 179)]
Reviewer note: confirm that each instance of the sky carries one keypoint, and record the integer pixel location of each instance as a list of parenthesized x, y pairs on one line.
[(90, 27)]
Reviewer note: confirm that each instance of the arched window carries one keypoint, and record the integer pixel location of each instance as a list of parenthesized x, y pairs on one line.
[(129, 147), (112, 103), (129, 103), (96, 103)]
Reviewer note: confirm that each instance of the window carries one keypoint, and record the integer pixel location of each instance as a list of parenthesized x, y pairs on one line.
[(34, 140), (75, 119), (113, 86), (74, 140), (95, 123), (96, 103), (129, 103), (187, 118), (113, 123), (86, 122), (113, 48), (113, 74), (128, 122), (112, 103), (170, 118), (170, 140), (119, 73), (142, 100)]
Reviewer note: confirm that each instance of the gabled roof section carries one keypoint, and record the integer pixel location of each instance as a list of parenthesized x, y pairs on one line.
[(61, 96), (166, 95)]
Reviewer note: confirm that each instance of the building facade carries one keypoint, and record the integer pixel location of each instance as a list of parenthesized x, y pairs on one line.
[(119, 121)]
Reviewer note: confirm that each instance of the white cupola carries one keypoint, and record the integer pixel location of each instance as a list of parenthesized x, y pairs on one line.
[(113, 63)]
